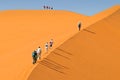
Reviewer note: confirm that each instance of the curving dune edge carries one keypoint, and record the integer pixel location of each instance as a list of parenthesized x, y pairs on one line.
[(91, 54)]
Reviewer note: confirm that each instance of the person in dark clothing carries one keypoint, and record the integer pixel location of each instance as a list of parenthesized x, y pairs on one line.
[(44, 7), (51, 43), (34, 56), (47, 7), (51, 8), (79, 26)]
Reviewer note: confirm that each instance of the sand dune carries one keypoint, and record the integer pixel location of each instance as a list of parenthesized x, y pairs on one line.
[(92, 54), (22, 31)]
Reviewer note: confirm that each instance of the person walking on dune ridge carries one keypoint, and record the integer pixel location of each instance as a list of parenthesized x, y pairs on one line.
[(79, 26), (46, 47), (44, 7), (39, 50), (51, 8), (51, 43), (34, 56)]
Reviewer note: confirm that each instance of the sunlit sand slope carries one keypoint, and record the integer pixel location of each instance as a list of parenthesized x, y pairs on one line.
[(22, 31)]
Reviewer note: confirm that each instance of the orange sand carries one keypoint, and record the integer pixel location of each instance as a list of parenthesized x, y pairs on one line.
[(92, 54), (23, 31)]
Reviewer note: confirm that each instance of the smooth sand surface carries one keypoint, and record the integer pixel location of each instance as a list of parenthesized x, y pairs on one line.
[(22, 31), (92, 54)]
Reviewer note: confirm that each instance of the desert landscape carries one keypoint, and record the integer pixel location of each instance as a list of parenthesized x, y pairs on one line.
[(89, 54)]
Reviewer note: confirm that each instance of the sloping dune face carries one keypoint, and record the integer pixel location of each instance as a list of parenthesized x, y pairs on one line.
[(102, 15), (21, 27), (22, 31), (92, 54)]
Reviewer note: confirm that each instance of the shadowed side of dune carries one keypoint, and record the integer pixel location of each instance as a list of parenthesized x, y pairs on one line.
[(92, 54)]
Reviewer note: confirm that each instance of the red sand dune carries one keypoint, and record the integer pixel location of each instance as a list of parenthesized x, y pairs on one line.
[(22, 31), (91, 54)]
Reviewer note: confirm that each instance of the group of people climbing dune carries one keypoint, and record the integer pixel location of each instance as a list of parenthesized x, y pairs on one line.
[(48, 45), (36, 54), (48, 7)]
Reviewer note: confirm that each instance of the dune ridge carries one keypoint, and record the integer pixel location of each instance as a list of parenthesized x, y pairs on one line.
[(92, 54), (23, 31), (104, 14)]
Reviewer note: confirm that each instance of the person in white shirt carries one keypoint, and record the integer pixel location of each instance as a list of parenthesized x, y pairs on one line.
[(39, 50)]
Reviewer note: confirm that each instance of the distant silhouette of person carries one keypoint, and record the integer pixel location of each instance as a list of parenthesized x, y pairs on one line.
[(34, 56), (44, 7), (51, 8), (39, 50), (51, 43), (46, 47), (79, 26), (47, 7)]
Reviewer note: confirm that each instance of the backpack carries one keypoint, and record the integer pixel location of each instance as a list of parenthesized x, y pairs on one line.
[(33, 54)]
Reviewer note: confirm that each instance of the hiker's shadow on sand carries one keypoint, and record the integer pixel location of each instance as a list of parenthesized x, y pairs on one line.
[(89, 31), (64, 51), (51, 64)]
